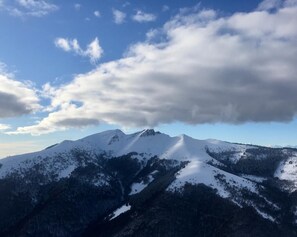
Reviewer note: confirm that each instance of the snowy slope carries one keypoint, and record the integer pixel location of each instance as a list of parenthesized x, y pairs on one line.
[(202, 168), (199, 172), (120, 211), (287, 170), (157, 163), (148, 143), (116, 143)]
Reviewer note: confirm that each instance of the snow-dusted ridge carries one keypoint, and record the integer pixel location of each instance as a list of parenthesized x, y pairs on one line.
[(116, 143), (202, 168)]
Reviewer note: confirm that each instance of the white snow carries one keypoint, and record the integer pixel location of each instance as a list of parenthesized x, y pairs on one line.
[(146, 144), (120, 211), (287, 170), (116, 143), (197, 172), (67, 172), (99, 183), (162, 145), (138, 187), (237, 150), (239, 154), (257, 179), (264, 215), (101, 180)]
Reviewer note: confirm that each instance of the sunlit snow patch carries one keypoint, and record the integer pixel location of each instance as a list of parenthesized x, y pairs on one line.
[(138, 187), (120, 211), (257, 179), (287, 170), (197, 172)]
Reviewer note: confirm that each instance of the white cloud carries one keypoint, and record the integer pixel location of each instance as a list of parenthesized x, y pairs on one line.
[(93, 50), (4, 127), (77, 6), (126, 4), (16, 98), (152, 34), (269, 4), (97, 14), (141, 16), (118, 16), (210, 69), (23, 8), (64, 44), (290, 3), (165, 8)]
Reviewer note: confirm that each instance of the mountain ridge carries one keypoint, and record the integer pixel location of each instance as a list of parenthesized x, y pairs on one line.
[(139, 167)]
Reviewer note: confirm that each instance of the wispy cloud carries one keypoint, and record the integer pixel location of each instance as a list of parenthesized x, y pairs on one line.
[(4, 127), (126, 4), (207, 69), (118, 16), (165, 8), (97, 14), (65, 44), (141, 16), (23, 8), (93, 50), (267, 5), (77, 6)]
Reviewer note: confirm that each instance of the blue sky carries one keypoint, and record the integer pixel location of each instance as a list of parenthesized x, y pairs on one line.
[(209, 69)]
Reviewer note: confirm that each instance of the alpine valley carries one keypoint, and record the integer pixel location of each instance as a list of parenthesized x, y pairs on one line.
[(149, 184)]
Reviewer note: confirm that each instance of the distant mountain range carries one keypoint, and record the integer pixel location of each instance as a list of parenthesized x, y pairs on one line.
[(149, 184)]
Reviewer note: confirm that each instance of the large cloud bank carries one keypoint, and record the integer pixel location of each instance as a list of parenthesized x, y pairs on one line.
[(199, 68)]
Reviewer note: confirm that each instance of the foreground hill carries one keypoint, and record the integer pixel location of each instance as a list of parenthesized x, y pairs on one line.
[(149, 184)]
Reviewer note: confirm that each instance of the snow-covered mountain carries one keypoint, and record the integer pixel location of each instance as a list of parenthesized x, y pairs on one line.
[(121, 172)]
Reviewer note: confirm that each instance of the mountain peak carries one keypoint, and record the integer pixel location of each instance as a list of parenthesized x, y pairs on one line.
[(105, 134), (117, 134), (148, 132), (113, 132), (128, 164)]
